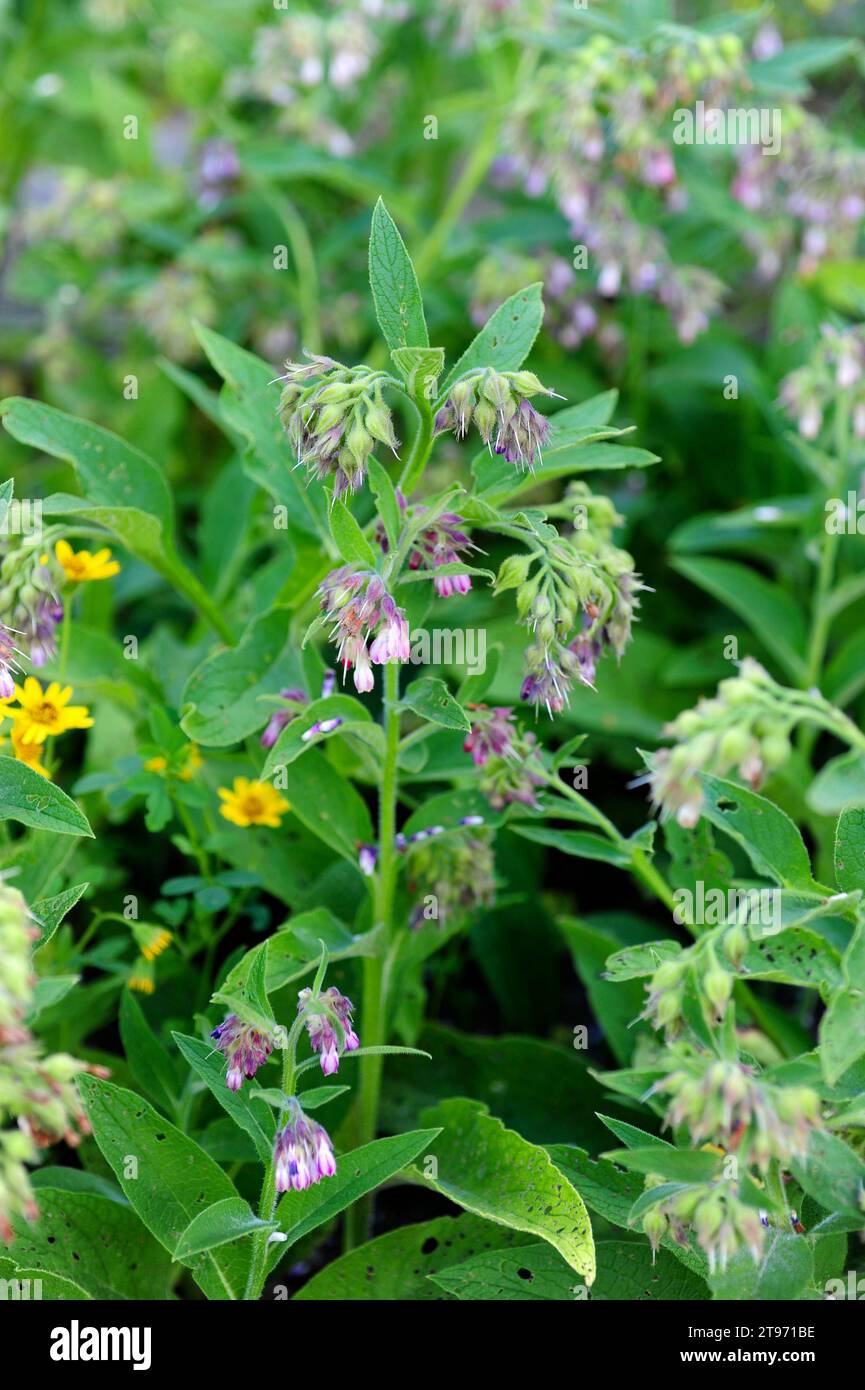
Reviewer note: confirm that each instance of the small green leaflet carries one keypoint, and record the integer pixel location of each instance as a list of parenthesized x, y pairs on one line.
[(395, 290)]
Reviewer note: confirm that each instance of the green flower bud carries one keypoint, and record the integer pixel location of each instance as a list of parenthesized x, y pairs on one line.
[(513, 571), (735, 743), (717, 987), (775, 750), (736, 944)]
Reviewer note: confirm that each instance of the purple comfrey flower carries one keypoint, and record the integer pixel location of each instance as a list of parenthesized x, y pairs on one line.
[(8, 663), (359, 607), (329, 1025), (321, 726), (366, 858), (244, 1048), (491, 735), (40, 632), (327, 684), (440, 544), (522, 436), (336, 422), (471, 820), (281, 717), (303, 1153), (497, 404), (218, 170)]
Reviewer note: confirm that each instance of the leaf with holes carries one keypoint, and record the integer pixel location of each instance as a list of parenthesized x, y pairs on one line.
[(174, 1180), (495, 1173)]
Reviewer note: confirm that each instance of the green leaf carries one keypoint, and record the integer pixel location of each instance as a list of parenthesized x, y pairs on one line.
[(833, 1174), (420, 369), (220, 1224), (114, 476), (842, 1033), (249, 405), (675, 1165), (579, 843), (850, 850), (175, 1179), (348, 538), (493, 1172), (28, 797), (626, 1271), (768, 610), (845, 675), (24, 1285), (765, 832), (506, 339), (148, 1061), (839, 785), (431, 699), (384, 493), (49, 912), (357, 1172), (634, 962), (395, 290), (294, 950), (98, 1243), (256, 1120), (327, 804), (398, 1266), (6, 492), (611, 1193), (292, 743), (222, 701), (615, 1005)]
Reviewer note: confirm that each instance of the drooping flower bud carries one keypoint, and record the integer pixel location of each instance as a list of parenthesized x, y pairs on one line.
[(303, 1153), (244, 1047), (328, 1019)]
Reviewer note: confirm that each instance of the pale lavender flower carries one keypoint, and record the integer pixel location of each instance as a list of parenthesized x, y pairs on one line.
[(244, 1048), (281, 717), (366, 858), (303, 1153), (329, 1025)]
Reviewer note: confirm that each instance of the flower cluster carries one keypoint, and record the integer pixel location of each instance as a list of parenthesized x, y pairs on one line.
[(30, 604), (595, 153), (450, 874), (837, 365), (720, 1220), (334, 417), (329, 1024), (579, 602), (244, 1047), (36, 1092), (506, 756), (498, 405), (746, 726), (359, 607), (440, 543), (303, 1153), (726, 1103)]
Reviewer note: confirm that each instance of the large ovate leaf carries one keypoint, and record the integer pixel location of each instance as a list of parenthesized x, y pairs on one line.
[(765, 832), (222, 701), (495, 1173), (400, 1265), (767, 609), (166, 1177), (506, 339), (224, 1222), (99, 1244), (626, 1271), (395, 290), (28, 797)]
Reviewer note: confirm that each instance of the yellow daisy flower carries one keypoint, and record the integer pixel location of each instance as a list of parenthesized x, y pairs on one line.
[(252, 803), (29, 753), (42, 713), (157, 764), (80, 565)]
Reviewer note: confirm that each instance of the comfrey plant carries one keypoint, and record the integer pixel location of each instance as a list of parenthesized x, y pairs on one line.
[(345, 834)]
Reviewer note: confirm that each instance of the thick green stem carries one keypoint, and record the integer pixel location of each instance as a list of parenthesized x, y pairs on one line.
[(268, 1199), (374, 1016)]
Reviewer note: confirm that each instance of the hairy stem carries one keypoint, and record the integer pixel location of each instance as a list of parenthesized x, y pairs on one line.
[(375, 1002)]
